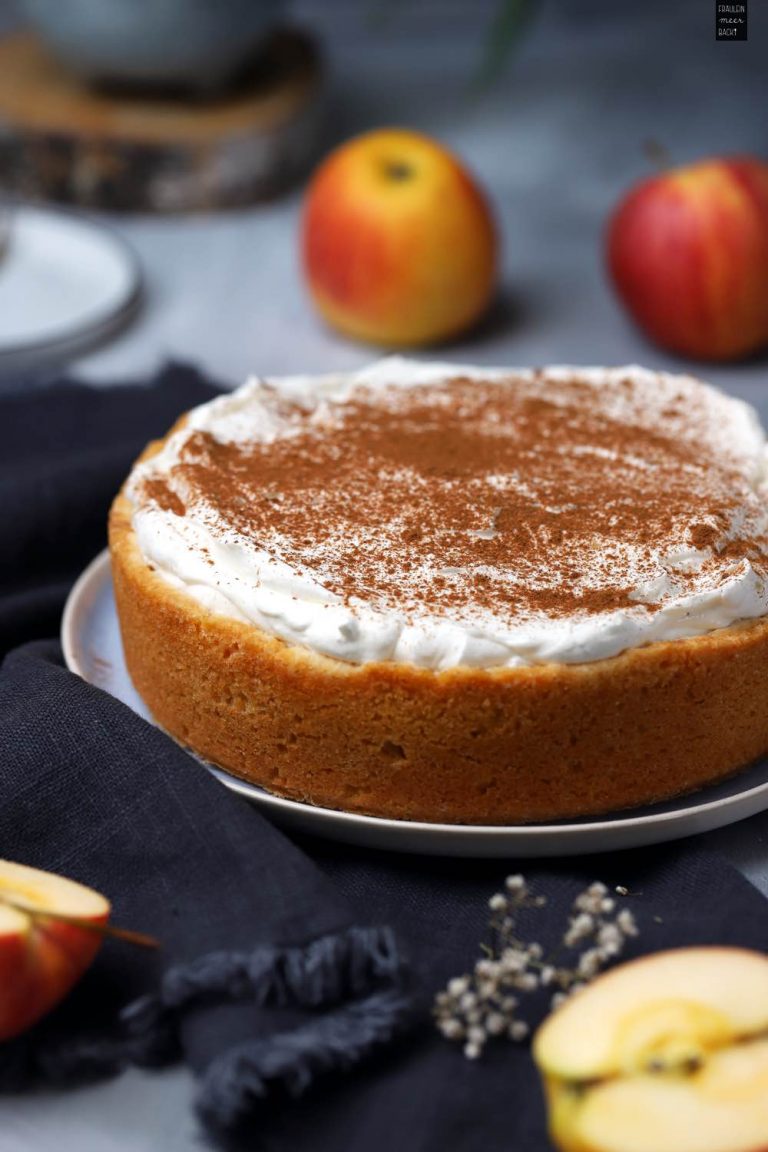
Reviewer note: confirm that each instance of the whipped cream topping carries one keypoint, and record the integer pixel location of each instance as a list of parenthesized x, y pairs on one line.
[(445, 515)]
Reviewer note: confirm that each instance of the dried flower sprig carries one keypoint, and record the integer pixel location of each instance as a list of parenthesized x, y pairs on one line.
[(477, 1007)]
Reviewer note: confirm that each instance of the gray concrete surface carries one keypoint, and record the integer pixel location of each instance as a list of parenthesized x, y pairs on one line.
[(555, 143)]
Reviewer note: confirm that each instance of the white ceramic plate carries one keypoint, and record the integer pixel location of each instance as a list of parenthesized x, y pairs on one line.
[(65, 284), (92, 648)]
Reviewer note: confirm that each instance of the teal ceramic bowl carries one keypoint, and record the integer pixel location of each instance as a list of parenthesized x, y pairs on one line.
[(192, 44)]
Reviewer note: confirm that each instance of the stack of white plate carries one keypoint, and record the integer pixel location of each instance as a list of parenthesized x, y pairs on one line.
[(66, 284)]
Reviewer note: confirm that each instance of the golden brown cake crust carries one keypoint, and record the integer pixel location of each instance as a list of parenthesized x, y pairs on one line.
[(467, 745)]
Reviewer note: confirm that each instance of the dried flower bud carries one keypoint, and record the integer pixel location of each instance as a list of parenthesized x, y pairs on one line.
[(495, 1023), (513, 960), (583, 924), (589, 963), (608, 934), (626, 922), (515, 883), (487, 989), (611, 949), (458, 985), (527, 981)]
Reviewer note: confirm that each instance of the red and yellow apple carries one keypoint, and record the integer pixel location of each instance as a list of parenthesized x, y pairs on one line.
[(399, 246), (688, 254), (664, 1054), (45, 942)]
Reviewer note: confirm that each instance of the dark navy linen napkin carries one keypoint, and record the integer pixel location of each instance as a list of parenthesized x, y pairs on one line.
[(64, 452), (295, 977)]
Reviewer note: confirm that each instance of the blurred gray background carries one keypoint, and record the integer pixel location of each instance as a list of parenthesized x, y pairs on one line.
[(555, 141)]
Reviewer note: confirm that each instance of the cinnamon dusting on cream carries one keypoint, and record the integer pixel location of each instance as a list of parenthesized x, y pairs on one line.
[(515, 498)]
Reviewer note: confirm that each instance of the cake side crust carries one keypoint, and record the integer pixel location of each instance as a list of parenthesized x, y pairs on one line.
[(468, 745)]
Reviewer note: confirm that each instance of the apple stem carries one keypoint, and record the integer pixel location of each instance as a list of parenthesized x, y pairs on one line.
[(141, 939), (657, 154)]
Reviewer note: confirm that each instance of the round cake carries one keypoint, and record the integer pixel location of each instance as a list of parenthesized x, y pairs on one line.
[(443, 593)]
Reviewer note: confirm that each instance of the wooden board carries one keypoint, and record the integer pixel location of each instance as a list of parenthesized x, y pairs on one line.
[(61, 140)]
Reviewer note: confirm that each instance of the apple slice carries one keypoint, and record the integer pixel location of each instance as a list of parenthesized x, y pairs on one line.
[(50, 931), (664, 1054), (723, 1107), (651, 1007)]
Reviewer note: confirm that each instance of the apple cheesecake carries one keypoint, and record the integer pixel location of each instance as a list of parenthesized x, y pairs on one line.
[(455, 594)]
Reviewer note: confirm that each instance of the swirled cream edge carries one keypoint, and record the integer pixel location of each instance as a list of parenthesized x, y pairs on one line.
[(234, 578)]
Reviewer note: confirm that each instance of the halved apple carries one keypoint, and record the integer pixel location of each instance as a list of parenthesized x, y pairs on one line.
[(45, 941), (664, 1054)]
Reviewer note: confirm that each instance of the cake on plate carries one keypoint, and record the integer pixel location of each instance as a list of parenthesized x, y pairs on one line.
[(443, 593)]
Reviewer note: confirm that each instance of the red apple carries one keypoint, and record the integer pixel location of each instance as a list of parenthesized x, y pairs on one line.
[(398, 242), (688, 254), (45, 942)]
